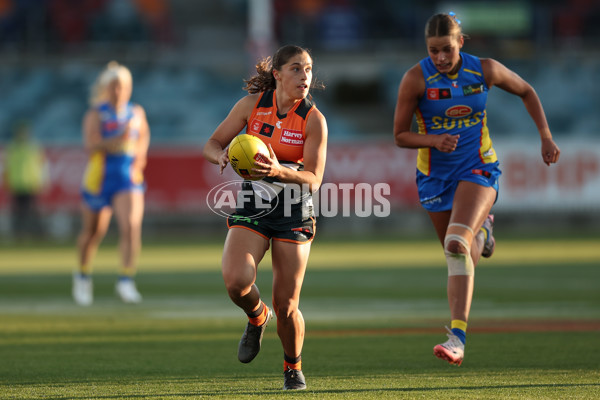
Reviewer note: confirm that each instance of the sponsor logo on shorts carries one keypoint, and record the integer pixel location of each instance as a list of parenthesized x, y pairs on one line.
[(433, 200), (248, 220)]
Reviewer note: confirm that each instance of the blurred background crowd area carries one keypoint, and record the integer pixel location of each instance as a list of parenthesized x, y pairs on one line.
[(189, 59)]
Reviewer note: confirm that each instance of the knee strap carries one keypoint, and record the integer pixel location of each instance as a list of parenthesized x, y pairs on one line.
[(459, 263), (467, 227)]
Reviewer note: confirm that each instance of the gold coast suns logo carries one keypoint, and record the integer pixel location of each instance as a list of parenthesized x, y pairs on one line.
[(458, 111), (457, 117)]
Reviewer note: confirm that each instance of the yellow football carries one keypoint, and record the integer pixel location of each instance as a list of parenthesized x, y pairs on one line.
[(244, 150)]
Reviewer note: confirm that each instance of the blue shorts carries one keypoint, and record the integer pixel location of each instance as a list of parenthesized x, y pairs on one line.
[(437, 195), (103, 199)]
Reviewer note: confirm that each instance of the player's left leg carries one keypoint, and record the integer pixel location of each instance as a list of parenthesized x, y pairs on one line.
[(129, 211), (289, 267)]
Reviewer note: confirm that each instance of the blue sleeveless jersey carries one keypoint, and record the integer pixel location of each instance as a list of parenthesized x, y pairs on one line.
[(110, 172), (454, 104)]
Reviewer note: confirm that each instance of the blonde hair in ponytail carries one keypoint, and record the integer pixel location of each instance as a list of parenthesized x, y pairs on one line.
[(113, 71)]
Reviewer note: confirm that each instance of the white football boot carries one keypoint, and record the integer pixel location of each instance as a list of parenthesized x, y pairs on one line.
[(453, 350), (83, 289), (127, 291)]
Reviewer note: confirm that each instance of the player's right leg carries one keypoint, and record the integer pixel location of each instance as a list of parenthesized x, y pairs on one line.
[(129, 211), (94, 225), (289, 267), (470, 207), (243, 250)]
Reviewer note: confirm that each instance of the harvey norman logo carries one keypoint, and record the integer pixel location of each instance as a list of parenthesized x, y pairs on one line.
[(292, 138)]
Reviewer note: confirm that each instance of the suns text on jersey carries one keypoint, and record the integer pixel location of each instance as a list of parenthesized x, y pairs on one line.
[(456, 123)]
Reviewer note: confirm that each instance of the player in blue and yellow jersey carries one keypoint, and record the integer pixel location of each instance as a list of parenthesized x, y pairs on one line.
[(277, 110), (457, 166), (116, 136)]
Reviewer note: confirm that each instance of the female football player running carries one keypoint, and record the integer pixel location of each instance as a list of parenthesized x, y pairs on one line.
[(116, 136), (278, 110), (457, 167)]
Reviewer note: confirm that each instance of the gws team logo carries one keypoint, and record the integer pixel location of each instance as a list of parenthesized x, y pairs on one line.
[(266, 130), (224, 198), (459, 111), (261, 128)]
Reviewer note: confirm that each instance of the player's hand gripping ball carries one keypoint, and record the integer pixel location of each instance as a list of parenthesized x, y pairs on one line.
[(244, 150)]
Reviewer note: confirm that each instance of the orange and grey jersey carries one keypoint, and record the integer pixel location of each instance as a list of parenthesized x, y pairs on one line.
[(454, 104), (284, 132)]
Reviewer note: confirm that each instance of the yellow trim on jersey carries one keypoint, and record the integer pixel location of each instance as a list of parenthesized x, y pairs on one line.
[(473, 72), (433, 76), (423, 154), (486, 151), (424, 160), (94, 173), (420, 122)]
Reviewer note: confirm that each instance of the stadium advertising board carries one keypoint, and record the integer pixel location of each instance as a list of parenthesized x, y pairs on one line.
[(179, 179)]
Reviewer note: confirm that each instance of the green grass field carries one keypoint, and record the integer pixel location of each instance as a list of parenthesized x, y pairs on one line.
[(373, 313)]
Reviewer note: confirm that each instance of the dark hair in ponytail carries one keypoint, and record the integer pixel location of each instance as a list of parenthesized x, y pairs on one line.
[(264, 79)]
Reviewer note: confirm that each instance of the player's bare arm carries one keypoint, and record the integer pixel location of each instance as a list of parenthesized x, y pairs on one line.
[(314, 154), (92, 137), (144, 138), (496, 74), (215, 149), (412, 88)]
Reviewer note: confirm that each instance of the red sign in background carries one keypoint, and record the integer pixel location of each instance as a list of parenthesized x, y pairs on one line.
[(179, 179)]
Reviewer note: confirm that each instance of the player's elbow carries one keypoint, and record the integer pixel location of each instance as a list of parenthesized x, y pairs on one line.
[(400, 139), (210, 151), (314, 184)]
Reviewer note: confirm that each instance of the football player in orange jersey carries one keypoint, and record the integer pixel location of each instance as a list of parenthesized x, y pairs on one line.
[(278, 110)]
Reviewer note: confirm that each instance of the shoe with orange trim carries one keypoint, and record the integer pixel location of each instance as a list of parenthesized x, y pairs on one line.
[(293, 379), (251, 340)]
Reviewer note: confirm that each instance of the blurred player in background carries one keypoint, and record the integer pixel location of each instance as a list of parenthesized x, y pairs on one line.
[(116, 136), (25, 177), (457, 167), (279, 111)]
